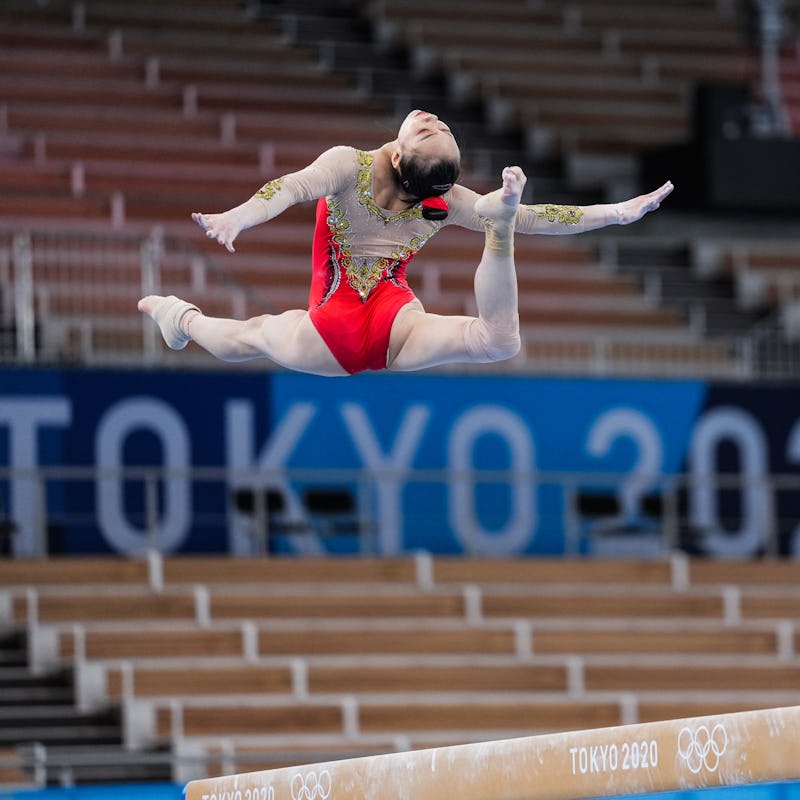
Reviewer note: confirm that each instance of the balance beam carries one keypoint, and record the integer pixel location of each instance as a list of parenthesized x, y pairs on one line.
[(720, 750)]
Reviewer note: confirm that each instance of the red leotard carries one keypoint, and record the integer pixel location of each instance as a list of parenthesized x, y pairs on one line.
[(355, 329)]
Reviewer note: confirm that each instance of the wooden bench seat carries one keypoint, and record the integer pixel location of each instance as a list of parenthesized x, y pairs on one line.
[(767, 572), (363, 605), (702, 353), (147, 15), (652, 69), (110, 304), (459, 246), (32, 117), (241, 571), (775, 605), (23, 208), (534, 571), (690, 677), (611, 114), (24, 32), (604, 15), (617, 318), (43, 62), (74, 90), (547, 716), (592, 604), (73, 571), (624, 357), (107, 606), (247, 756), (88, 339), (556, 282), (210, 681), (654, 711), (773, 255), (126, 149), (587, 89), (440, 640), (718, 640), (275, 720), (669, 15), (134, 643), (442, 679), (449, 35)]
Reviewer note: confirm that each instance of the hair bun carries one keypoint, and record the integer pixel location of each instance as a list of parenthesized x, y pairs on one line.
[(434, 208)]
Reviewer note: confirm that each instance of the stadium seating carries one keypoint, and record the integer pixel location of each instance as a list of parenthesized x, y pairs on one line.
[(277, 660), (105, 156)]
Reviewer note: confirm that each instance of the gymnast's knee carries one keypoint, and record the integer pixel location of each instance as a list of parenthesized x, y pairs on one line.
[(486, 343)]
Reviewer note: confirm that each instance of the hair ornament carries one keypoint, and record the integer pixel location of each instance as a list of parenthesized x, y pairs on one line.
[(434, 208)]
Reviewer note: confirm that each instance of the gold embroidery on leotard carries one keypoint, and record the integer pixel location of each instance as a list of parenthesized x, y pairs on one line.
[(567, 215), (364, 192), (270, 189), (412, 248), (363, 277)]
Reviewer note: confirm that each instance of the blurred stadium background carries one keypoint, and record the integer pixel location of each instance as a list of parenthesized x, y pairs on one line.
[(209, 569)]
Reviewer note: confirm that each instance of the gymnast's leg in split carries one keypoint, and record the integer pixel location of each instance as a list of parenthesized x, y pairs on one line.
[(289, 339), (421, 340)]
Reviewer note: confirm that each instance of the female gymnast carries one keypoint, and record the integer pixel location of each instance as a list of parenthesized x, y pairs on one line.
[(375, 211)]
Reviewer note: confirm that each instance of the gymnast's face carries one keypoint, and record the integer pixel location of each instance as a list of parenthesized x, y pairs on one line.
[(424, 135)]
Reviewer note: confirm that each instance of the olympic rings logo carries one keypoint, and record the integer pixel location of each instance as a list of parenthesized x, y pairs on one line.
[(700, 748), (313, 787)]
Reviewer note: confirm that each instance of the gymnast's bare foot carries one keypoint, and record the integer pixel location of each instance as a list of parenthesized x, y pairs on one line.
[(172, 315), (501, 205)]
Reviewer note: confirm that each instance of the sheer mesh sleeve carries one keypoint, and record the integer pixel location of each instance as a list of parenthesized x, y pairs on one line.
[(326, 175), (543, 218), (549, 218)]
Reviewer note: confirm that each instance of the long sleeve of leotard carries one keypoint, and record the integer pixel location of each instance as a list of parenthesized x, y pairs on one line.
[(327, 174), (542, 218)]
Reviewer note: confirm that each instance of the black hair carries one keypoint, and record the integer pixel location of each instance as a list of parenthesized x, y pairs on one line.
[(423, 178)]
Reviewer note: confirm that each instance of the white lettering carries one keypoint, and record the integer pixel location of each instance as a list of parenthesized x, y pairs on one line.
[(740, 429), (633, 424), (24, 416), (613, 758), (114, 427), (391, 466), (597, 759), (522, 520), (267, 468)]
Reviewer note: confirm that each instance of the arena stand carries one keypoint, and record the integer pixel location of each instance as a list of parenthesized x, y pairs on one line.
[(231, 665), (117, 120), (106, 155)]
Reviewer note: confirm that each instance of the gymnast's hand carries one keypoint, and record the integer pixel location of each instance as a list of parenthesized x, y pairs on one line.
[(223, 228), (634, 209)]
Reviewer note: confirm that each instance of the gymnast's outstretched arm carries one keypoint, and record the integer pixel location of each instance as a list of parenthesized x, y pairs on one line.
[(322, 177), (560, 219), (555, 219)]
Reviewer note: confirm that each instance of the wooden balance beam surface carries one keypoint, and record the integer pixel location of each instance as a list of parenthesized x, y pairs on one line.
[(725, 749)]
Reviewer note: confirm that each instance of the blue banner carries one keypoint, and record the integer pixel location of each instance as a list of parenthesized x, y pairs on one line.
[(445, 463)]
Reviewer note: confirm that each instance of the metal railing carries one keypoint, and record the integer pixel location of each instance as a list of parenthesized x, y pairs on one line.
[(70, 297), (133, 510)]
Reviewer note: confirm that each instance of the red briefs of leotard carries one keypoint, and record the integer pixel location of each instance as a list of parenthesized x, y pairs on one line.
[(356, 331)]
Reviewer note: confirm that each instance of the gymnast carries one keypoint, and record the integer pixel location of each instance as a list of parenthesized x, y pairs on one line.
[(376, 209)]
